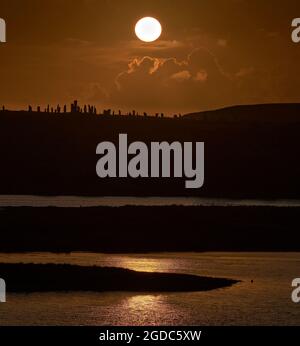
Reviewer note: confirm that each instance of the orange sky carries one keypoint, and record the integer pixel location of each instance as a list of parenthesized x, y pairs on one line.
[(211, 54)]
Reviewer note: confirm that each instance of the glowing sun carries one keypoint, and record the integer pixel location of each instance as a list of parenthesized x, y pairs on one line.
[(148, 29)]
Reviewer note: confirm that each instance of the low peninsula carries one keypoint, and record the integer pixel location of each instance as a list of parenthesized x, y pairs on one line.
[(31, 278)]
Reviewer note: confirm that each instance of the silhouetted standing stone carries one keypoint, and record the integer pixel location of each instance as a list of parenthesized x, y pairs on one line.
[(107, 112), (74, 107)]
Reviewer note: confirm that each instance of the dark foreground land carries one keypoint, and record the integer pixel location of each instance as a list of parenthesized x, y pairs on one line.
[(63, 277), (250, 151), (145, 229)]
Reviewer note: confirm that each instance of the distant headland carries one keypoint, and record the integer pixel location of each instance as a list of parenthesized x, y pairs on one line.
[(273, 112), (65, 277)]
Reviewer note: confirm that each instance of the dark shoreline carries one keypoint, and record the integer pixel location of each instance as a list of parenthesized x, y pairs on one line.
[(139, 229), (31, 278)]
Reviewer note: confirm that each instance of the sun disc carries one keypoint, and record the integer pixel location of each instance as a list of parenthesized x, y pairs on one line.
[(148, 29)]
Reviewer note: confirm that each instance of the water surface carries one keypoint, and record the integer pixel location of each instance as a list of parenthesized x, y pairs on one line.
[(81, 201), (266, 301)]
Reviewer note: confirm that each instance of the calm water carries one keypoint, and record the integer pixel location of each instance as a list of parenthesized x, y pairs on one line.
[(74, 201), (265, 302)]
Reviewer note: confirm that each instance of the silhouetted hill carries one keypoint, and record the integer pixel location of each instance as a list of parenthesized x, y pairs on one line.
[(55, 154), (264, 113)]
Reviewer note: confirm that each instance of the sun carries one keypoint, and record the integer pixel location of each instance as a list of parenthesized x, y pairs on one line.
[(148, 29)]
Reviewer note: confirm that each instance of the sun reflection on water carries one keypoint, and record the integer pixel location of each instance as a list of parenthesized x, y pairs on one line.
[(149, 309), (146, 264)]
